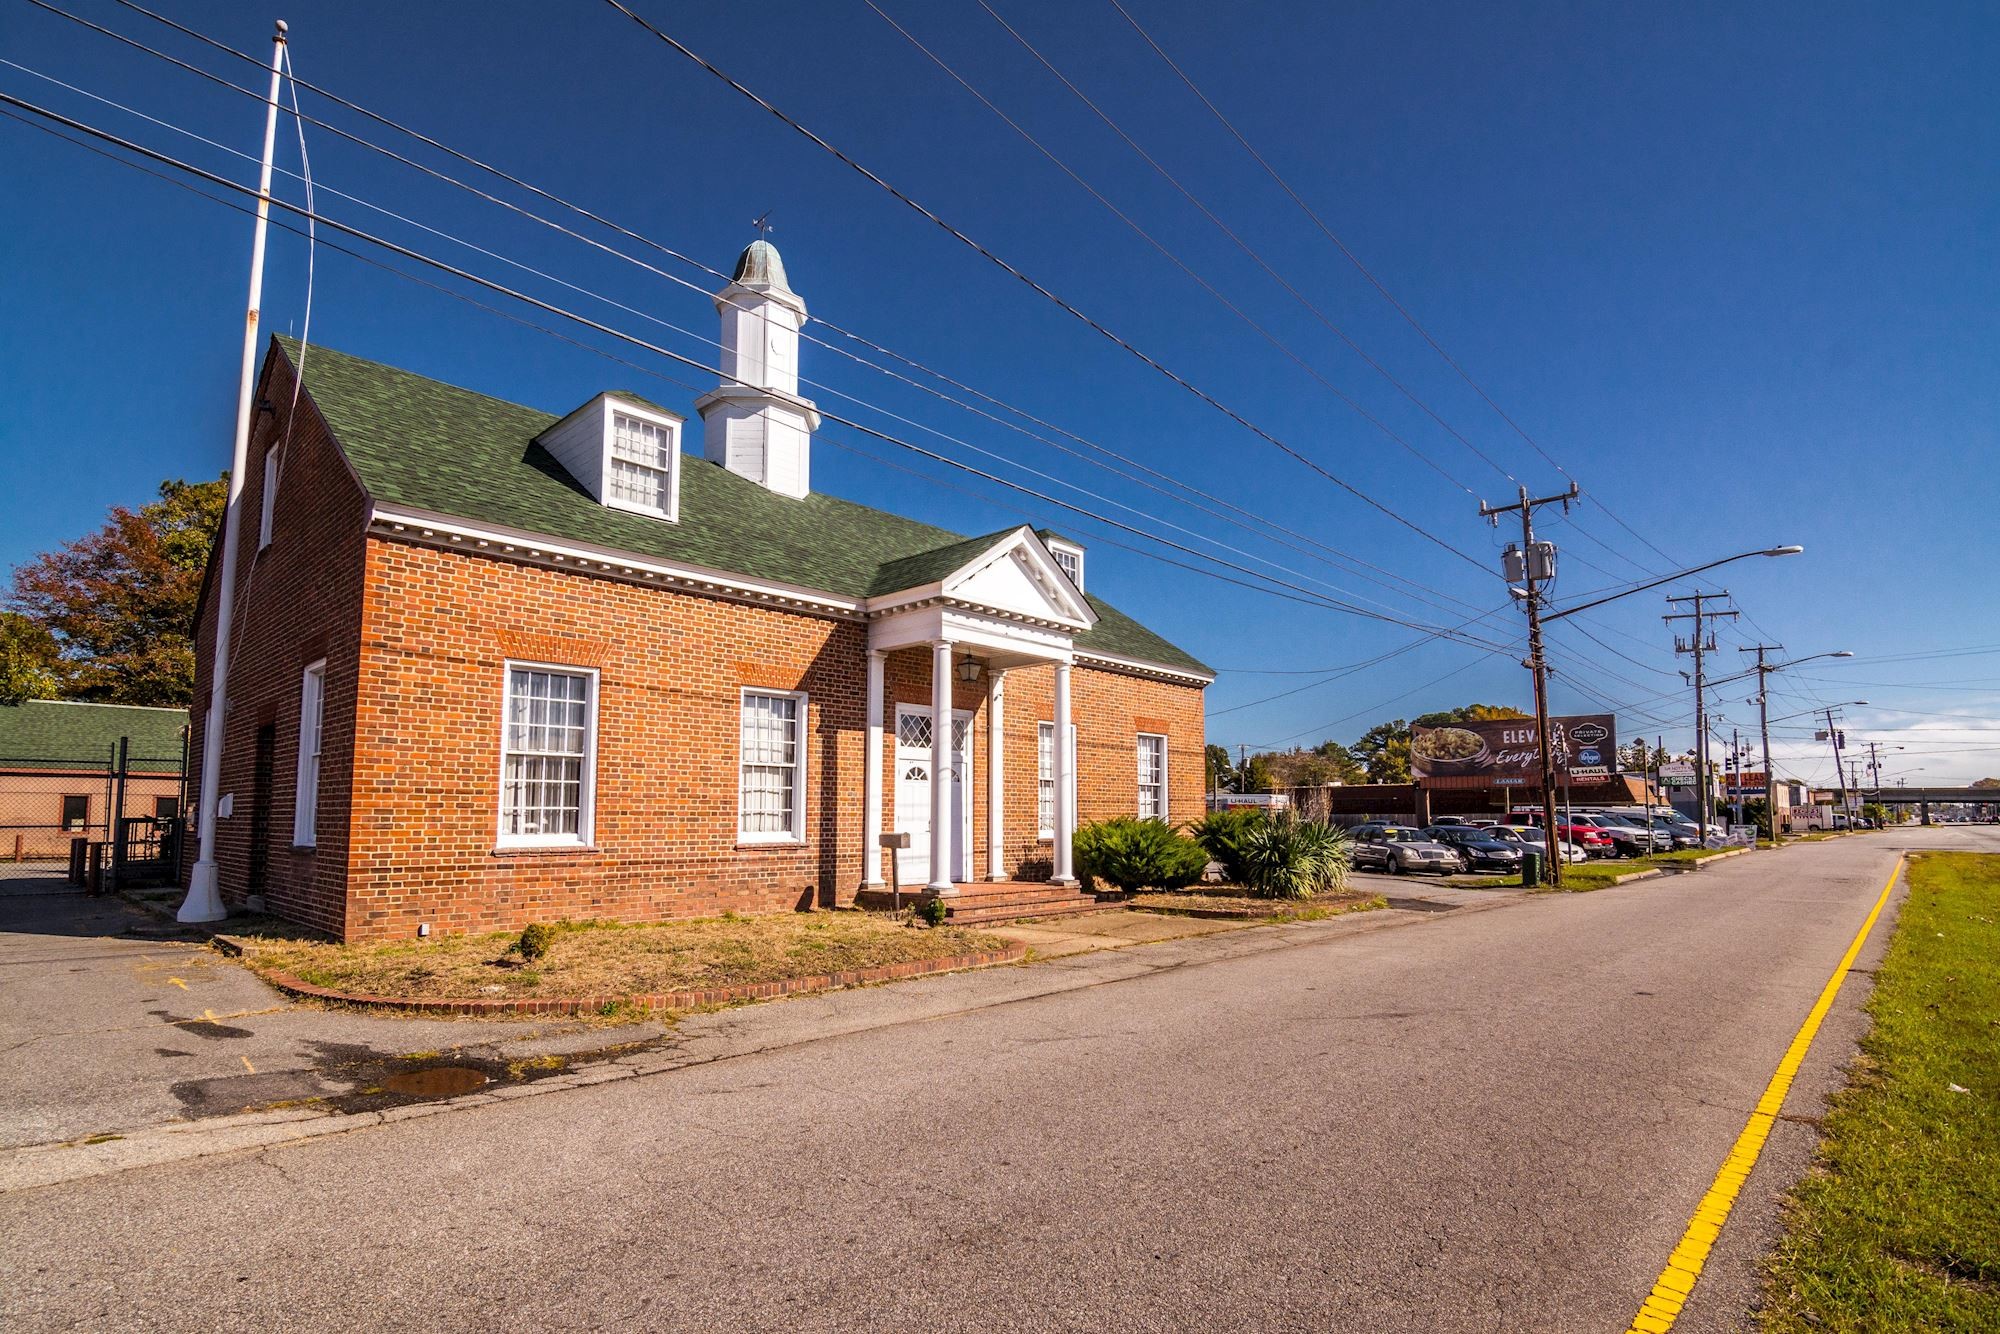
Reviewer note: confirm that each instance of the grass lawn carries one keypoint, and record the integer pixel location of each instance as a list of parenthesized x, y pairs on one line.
[(1202, 900), (609, 959), (1585, 876), (1898, 1226)]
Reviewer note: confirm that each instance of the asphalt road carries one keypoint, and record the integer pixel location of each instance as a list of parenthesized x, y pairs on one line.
[(1495, 1117)]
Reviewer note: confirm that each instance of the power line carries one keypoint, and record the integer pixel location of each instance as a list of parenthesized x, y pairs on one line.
[(1036, 286), (1197, 503), (1409, 317), (599, 327), (1241, 244)]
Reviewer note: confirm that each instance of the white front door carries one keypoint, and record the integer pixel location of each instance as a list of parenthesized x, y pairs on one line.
[(913, 795)]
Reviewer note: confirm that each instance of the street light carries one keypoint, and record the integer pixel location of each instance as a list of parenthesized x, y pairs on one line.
[(1700, 724), (1669, 578)]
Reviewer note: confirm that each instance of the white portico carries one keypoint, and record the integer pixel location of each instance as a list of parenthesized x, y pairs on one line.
[(980, 609)]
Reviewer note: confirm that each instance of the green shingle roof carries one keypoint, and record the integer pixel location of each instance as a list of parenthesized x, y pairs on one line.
[(58, 734), (431, 446)]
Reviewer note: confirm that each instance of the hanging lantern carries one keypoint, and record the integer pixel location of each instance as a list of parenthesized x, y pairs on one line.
[(968, 669)]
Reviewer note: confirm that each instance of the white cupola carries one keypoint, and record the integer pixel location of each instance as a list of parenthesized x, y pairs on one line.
[(754, 423)]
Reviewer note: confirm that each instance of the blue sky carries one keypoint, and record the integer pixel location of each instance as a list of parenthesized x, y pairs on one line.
[(1734, 267)]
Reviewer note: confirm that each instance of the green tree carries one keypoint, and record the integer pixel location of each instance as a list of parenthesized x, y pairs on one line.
[(1342, 766), (1221, 775), (27, 660), (1384, 752), (120, 602), (1257, 775)]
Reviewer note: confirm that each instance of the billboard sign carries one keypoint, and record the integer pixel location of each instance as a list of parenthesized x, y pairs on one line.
[(1676, 773), (1504, 752)]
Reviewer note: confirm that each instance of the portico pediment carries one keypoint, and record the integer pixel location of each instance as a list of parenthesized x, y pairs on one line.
[(1008, 576)]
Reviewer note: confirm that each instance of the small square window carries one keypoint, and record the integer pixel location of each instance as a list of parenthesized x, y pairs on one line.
[(1070, 559), (75, 814)]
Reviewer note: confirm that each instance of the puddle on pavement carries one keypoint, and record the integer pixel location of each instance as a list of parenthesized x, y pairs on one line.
[(1421, 905), (438, 1081)]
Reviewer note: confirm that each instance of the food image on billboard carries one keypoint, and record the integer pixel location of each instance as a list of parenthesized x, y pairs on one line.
[(1505, 750)]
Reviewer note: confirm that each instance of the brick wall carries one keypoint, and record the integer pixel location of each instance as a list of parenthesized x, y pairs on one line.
[(440, 626), (297, 600)]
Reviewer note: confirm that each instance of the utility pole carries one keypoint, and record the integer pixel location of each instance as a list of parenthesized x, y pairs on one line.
[(1875, 767), (1736, 767), (204, 898), (1764, 671), (1537, 568), (1699, 644), (1839, 780)]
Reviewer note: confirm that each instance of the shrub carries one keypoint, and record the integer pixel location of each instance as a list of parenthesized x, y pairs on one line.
[(536, 940), (1289, 858), (1130, 854), (933, 911), (1224, 836)]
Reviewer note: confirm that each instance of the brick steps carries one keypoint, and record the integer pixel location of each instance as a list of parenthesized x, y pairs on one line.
[(985, 902)]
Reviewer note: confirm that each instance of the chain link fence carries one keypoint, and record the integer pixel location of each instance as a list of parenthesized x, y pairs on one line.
[(121, 809)]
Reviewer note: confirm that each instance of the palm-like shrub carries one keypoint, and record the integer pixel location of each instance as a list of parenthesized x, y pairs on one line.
[(1225, 836), (1289, 858), (1130, 854)]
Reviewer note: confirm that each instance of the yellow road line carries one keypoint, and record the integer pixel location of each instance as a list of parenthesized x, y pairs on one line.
[(177, 982), (246, 1064), (1676, 1283)]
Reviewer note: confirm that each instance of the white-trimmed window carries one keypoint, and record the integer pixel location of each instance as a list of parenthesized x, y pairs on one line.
[(268, 501), (1045, 778), (772, 768), (1152, 776), (640, 471), (312, 706), (1070, 558), (548, 753)]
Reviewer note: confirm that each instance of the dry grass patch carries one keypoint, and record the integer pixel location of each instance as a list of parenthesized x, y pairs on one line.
[(1230, 900), (589, 959)]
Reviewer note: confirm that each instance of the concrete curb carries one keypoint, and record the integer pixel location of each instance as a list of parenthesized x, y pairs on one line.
[(650, 1002)]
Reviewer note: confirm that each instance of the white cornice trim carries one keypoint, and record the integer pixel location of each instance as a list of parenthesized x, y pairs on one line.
[(501, 543), (604, 562), (1136, 667)]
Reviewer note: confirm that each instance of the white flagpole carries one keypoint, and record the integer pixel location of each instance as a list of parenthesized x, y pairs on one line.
[(204, 897)]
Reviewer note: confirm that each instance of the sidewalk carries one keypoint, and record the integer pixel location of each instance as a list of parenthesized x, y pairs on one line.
[(123, 1050), (116, 1020)]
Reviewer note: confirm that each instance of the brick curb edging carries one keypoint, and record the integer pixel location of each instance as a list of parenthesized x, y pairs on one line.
[(653, 1002)]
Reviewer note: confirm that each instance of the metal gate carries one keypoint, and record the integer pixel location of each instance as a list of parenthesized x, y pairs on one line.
[(50, 799)]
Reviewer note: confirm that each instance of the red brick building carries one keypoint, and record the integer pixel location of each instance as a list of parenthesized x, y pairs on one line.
[(492, 666)]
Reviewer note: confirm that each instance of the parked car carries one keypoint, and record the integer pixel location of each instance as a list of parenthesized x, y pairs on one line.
[(1627, 839), (1594, 841), (1681, 833), (1477, 848), (1530, 836), (1397, 848)]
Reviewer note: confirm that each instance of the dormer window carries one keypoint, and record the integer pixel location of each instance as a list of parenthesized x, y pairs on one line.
[(625, 453), (1070, 558), (642, 464)]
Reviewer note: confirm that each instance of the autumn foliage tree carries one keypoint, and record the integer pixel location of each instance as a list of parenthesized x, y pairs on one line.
[(120, 603)]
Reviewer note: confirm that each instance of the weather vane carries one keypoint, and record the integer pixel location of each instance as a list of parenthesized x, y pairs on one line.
[(762, 222)]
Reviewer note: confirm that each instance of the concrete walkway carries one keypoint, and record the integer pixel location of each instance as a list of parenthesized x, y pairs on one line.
[(115, 1021)]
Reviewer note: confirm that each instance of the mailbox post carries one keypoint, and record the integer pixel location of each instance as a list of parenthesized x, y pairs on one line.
[(892, 844)]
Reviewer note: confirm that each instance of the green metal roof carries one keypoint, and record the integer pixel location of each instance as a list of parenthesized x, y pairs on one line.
[(61, 734), (431, 446)]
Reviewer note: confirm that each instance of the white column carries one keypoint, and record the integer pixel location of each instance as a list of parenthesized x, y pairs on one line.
[(996, 779), (1064, 873), (871, 777), (941, 832)]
